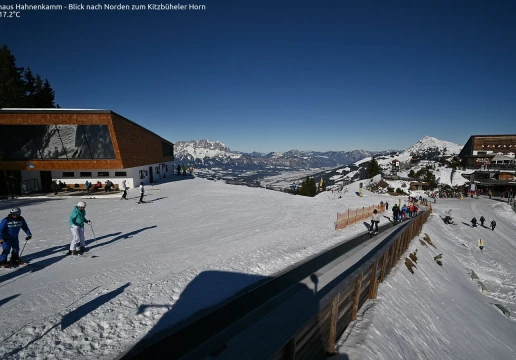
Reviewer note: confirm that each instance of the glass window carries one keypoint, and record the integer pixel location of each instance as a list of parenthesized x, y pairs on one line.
[(22, 142), (120, 173), (86, 174), (69, 174), (99, 141), (103, 173)]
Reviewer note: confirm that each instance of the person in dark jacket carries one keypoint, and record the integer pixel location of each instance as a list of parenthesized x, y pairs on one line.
[(482, 219), (9, 230), (474, 222), (493, 225), (395, 212)]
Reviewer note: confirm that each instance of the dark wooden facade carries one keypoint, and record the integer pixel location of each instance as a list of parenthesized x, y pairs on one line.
[(133, 144)]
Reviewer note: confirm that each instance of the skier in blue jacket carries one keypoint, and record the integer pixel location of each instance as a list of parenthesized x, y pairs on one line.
[(9, 230), (77, 221)]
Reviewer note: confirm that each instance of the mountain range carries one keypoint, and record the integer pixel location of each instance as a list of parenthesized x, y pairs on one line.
[(205, 154), (213, 159)]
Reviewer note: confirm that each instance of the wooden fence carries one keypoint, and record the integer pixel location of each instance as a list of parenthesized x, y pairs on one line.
[(356, 215), (317, 338)]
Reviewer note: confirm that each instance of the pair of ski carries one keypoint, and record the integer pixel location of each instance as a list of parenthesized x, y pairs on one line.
[(83, 254), (19, 266), (373, 233)]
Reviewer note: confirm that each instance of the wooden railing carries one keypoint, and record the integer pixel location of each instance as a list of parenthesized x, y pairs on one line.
[(340, 306)]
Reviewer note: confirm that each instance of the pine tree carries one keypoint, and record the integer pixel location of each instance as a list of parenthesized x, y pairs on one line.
[(12, 86), (312, 188), (47, 95), (373, 169), (30, 88)]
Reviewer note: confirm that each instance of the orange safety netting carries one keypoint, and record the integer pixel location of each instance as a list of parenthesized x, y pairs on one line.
[(353, 216)]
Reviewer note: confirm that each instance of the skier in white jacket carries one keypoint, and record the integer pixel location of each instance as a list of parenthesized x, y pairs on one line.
[(375, 220)]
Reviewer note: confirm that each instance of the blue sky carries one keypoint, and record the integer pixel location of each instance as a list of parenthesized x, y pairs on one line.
[(277, 75)]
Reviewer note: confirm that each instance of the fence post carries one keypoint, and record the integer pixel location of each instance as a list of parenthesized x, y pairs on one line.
[(384, 264), (356, 297), (374, 281), (333, 324)]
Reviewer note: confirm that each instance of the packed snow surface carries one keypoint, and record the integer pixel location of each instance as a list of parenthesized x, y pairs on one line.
[(144, 256)]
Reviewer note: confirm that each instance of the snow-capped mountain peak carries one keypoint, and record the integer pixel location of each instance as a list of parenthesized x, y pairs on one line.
[(430, 144)]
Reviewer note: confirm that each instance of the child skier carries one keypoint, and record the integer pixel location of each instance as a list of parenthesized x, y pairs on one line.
[(9, 230)]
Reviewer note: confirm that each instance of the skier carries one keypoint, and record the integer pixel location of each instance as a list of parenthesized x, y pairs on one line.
[(77, 220), (481, 246), (395, 212), (493, 225), (447, 218), (178, 170), (404, 210), (124, 186), (375, 220), (9, 230), (482, 219), (386, 205), (142, 193), (474, 221)]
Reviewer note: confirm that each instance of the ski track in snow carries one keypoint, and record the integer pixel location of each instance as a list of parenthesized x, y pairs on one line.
[(94, 308)]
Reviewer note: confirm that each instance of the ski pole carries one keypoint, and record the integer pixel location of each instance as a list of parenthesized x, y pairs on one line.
[(94, 237), (26, 241)]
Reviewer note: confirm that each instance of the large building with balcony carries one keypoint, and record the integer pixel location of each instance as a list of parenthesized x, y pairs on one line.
[(491, 159), (38, 146)]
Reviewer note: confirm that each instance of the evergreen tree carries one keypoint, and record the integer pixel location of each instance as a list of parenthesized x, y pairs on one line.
[(308, 187), (373, 169), (312, 188), (47, 95), (30, 87), (12, 86)]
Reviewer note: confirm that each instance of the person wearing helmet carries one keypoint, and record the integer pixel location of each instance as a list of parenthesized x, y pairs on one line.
[(9, 230), (77, 221), (375, 220)]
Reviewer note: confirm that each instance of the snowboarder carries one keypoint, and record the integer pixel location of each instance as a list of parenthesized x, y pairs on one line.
[(375, 220), (493, 225), (9, 230), (474, 222), (77, 221), (124, 186), (142, 193), (481, 246), (482, 219)]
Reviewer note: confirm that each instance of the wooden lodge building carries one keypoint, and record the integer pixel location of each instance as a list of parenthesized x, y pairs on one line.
[(38, 146), (492, 159)]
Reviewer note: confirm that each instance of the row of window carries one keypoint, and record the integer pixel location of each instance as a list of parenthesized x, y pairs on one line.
[(71, 174), (497, 146)]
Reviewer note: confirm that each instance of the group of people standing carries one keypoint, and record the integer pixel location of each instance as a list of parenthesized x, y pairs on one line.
[(403, 213), (482, 220)]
